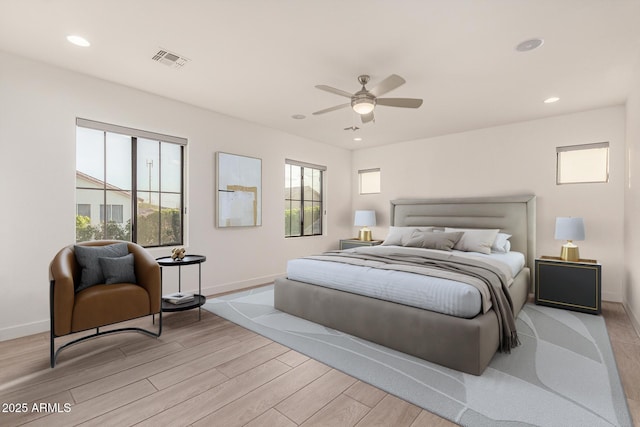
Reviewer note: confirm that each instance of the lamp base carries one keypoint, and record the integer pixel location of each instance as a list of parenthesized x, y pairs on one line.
[(365, 235), (570, 252)]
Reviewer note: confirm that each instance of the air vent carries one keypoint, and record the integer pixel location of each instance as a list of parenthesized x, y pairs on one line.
[(170, 59)]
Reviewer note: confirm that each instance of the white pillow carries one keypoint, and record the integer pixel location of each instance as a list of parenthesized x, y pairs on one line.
[(501, 244), (397, 233), (475, 240)]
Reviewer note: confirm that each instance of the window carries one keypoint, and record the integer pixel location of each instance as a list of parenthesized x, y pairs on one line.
[(83, 209), (582, 163), (134, 179), (113, 213), (369, 181), (303, 196)]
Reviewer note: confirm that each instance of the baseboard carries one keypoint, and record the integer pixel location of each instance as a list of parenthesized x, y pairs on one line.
[(611, 297), (236, 286), (634, 320), (19, 331)]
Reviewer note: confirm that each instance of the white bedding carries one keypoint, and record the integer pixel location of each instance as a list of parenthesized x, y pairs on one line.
[(429, 293)]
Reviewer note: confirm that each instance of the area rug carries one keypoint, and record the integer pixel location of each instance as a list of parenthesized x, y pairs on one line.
[(563, 373)]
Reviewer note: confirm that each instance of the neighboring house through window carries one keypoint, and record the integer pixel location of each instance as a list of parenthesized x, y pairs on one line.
[(132, 182), (113, 213), (83, 209), (303, 199)]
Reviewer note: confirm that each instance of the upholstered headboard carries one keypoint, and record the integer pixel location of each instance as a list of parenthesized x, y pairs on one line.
[(515, 215)]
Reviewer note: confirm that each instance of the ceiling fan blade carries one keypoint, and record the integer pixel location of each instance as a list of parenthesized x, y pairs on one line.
[(328, 110), (400, 102), (387, 85), (334, 90), (366, 118)]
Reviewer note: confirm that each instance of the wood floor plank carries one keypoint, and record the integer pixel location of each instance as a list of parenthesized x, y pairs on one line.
[(627, 357), (97, 387), (618, 324), (365, 393), (245, 362), (107, 402), (79, 378), (271, 418), (197, 365), (342, 411), (303, 404), (21, 377), (163, 400), (427, 419), (211, 400), (260, 400), (293, 358), (391, 411)]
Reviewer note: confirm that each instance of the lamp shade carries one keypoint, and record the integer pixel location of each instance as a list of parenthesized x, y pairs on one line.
[(365, 218), (362, 106), (569, 228)]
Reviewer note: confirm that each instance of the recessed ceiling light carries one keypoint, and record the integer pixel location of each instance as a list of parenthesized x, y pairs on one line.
[(299, 116), (78, 41), (530, 44), (357, 138), (551, 100)]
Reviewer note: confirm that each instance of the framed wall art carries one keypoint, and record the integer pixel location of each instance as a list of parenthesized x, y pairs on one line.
[(238, 191)]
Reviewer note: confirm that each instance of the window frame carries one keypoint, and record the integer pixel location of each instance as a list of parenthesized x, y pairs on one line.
[(368, 171), (322, 170), (581, 147), (134, 135)]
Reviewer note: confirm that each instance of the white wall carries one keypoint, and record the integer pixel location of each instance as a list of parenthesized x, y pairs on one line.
[(632, 203), (38, 108), (511, 160)]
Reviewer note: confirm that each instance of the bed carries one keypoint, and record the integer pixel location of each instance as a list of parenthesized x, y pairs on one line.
[(463, 344)]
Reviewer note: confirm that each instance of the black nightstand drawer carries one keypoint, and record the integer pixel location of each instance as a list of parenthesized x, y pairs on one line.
[(570, 285), (354, 243)]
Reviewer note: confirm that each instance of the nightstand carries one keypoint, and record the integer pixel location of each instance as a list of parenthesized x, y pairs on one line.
[(570, 285), (353, 243)]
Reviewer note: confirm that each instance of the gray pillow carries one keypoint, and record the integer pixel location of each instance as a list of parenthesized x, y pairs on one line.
[(397, 233), (87, 257), (430, 240), (118, 270), (475, 239)]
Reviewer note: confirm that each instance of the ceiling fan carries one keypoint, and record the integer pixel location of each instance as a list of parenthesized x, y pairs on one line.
[(364, 101)]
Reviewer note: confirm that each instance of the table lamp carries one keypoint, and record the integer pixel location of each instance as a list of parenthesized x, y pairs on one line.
[(365, 219), (569, 229)]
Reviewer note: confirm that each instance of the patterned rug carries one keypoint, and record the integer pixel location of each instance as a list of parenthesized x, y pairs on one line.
[(563, 373)]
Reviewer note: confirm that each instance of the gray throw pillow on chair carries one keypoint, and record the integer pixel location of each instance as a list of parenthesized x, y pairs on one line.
[(118, 270), (88, 259)]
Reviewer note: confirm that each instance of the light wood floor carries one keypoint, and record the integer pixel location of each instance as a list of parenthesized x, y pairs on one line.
[(214, 373)]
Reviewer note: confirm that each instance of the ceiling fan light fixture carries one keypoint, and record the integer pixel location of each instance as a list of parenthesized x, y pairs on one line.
[(363, 105)]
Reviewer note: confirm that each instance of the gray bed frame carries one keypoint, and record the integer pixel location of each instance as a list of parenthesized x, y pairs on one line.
[(466, 345)]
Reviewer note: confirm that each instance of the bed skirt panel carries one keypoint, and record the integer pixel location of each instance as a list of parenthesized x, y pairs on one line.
[(463, 344)]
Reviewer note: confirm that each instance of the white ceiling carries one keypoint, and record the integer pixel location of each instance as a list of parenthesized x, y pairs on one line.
[(259, 60)]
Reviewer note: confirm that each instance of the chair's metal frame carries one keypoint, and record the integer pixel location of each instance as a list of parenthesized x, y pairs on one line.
[(54, 354)]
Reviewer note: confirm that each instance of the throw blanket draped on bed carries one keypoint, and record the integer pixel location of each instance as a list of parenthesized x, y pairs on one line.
[(446, 265)]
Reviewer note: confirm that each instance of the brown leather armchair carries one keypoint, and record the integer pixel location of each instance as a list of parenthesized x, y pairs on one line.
[(102, 304)]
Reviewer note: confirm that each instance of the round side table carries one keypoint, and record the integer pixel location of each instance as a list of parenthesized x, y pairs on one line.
[(199, 299)]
